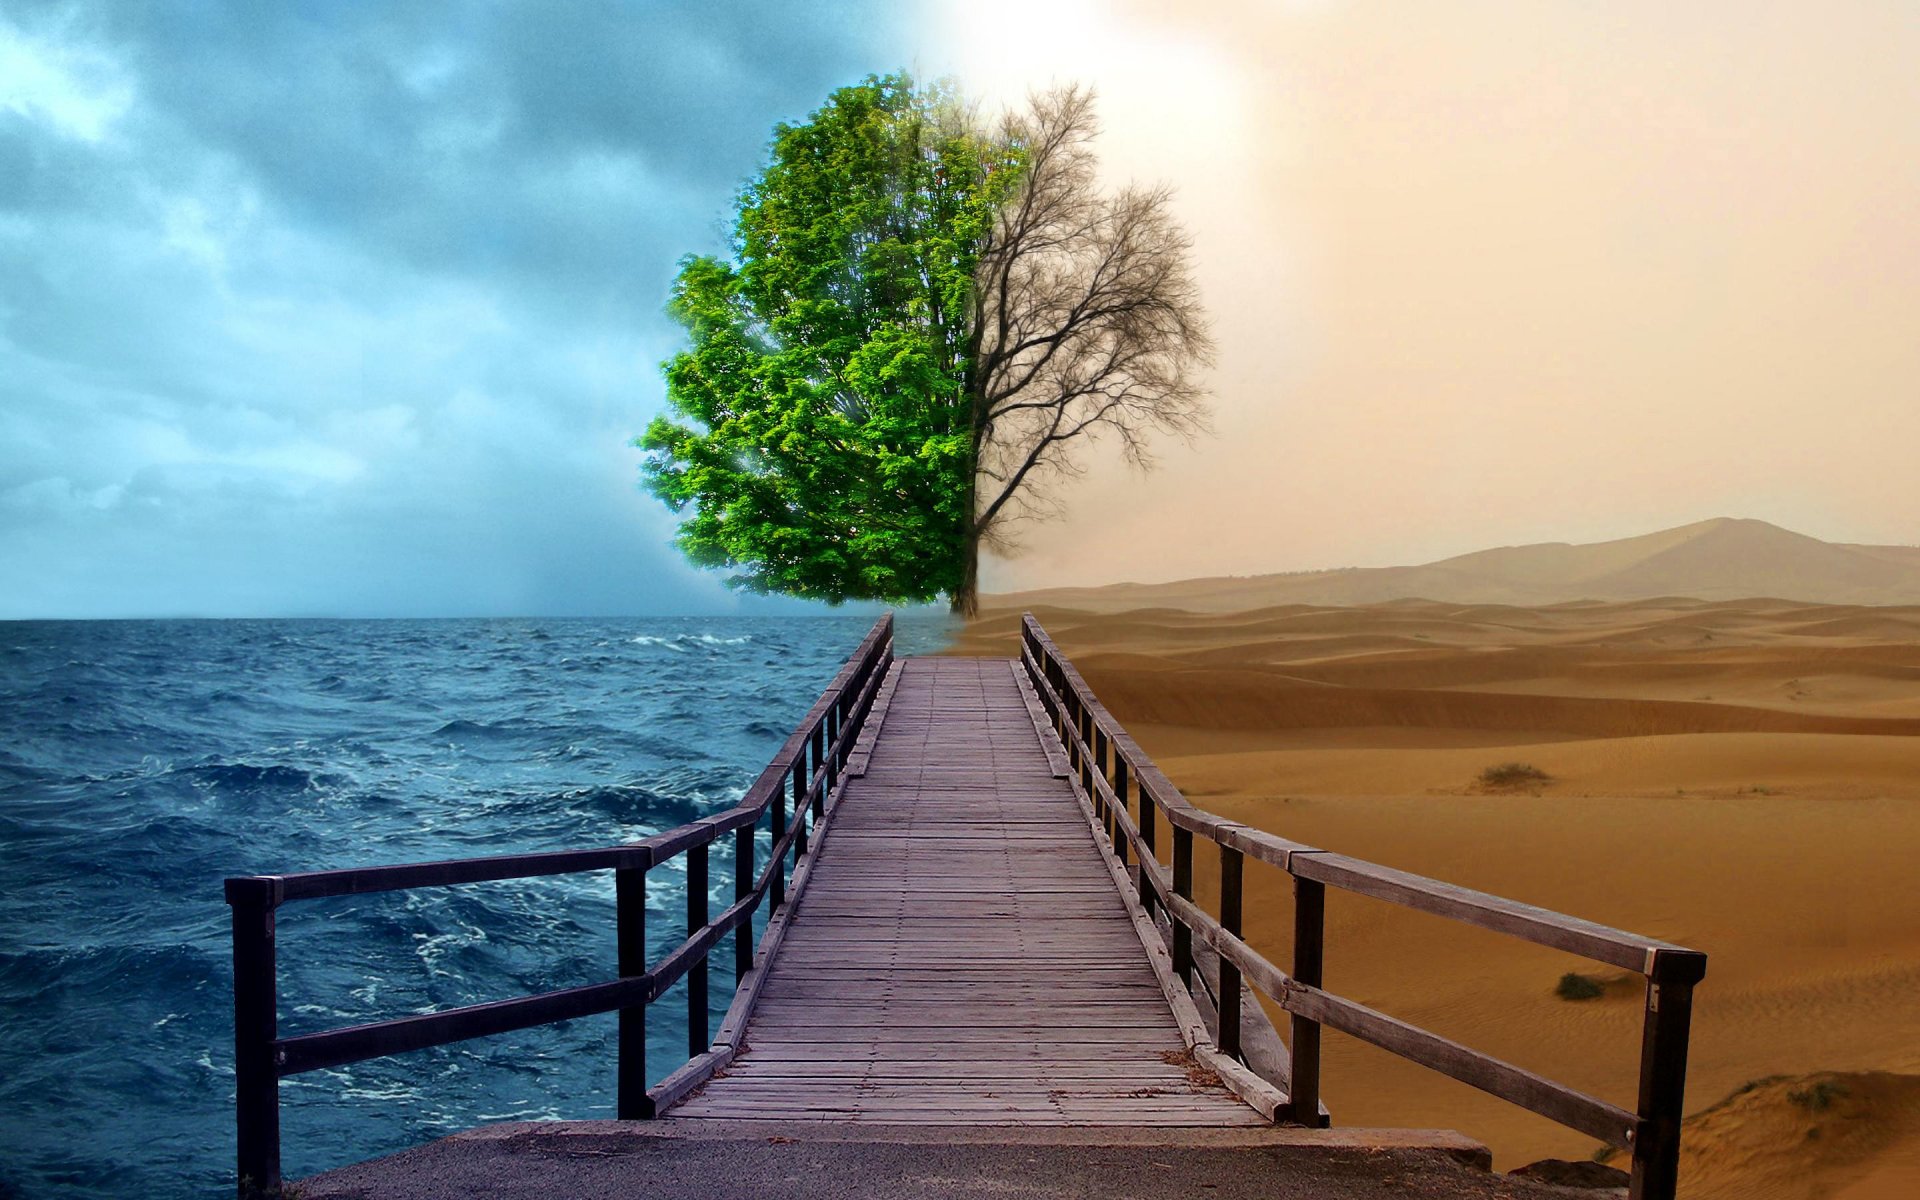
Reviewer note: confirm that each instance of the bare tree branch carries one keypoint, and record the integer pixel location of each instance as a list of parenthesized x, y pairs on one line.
[(1087, 321)]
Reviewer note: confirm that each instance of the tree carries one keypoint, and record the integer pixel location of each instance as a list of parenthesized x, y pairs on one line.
[(922, 322), (828, 446)]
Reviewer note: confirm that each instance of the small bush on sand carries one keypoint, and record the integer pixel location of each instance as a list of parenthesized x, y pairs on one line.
[(1575, 986), (1817, 1098), (1513, 775)]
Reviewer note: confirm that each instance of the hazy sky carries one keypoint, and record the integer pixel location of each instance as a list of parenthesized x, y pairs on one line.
[(1492, 273), (327, 308)]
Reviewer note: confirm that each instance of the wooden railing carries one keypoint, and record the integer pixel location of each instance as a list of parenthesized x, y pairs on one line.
[(811, 761), (1119, 780)]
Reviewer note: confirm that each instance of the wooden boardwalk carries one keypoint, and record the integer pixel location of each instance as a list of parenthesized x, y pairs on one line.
[(961, 953), (965, 940)]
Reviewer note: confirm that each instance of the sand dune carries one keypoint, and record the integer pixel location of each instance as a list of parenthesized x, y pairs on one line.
[(1844, 1136), (1721, 559), (1738, 776)]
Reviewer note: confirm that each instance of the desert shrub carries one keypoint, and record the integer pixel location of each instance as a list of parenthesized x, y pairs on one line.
[(1817, 1098), (1575, 986), (1513, 775)]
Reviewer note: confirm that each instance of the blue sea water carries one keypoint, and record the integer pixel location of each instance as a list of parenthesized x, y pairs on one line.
[(143, 761)]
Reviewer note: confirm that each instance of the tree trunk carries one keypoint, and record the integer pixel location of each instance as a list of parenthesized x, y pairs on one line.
[(966, 598)]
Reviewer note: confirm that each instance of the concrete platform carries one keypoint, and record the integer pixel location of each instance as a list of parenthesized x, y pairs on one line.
[(768, 1160)]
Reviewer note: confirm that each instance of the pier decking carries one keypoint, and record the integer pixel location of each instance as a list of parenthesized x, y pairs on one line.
[(960, 954)]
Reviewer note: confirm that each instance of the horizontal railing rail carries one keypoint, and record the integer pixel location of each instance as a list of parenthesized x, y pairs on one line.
[(794, 788), (1119, 780)]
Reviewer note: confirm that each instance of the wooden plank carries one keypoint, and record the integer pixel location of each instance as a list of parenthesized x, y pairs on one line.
[(1139, 1068), (1598, 942), (1063, 1052)]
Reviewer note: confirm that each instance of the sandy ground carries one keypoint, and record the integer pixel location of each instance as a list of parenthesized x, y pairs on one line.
[(1740, 777)]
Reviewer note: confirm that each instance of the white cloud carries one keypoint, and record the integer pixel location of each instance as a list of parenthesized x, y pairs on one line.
[(79, 91)]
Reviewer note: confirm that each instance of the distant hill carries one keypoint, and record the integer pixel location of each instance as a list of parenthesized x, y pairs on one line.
[(1721, 559)]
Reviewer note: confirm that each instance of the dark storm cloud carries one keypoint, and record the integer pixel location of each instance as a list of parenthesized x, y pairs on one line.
[(352, 307)]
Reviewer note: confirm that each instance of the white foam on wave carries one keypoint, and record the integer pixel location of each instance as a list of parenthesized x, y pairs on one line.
[(378, 1092), (536, 1112), (679, 642), (431, 948)]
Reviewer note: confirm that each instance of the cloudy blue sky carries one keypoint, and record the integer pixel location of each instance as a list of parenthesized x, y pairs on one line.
[(352, 308)]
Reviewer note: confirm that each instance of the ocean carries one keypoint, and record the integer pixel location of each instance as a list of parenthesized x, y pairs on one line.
[(141, 762)]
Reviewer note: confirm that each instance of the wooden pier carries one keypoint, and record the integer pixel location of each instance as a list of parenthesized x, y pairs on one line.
[(990, 920), (961, 954)]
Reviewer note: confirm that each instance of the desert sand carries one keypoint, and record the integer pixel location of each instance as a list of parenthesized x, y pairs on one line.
[(1738, 776)]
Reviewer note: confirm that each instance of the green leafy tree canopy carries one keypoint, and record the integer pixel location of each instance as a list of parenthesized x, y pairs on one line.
[(820, 440)]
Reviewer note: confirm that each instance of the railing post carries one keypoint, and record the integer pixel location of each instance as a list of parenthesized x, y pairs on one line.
[(832, 772), (1099, 744), (699, 1029), (777, 808), (1149, 836), (1183, 888), (849, 716), (1083, 725), (1663, 1079), (1120, 847), (630, 921), (1063, 713), (1227, 1003), (1309, 938), (255, 1026), (802, 783), (743, 872), (821, 745)]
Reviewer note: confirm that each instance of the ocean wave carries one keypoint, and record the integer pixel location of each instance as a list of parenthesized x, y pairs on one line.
[(681, 642), (244, 778), (28, 976), (634, 802), (511, 727)]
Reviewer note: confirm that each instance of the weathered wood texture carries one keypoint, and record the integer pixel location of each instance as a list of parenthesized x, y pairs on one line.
[(961, 955)]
